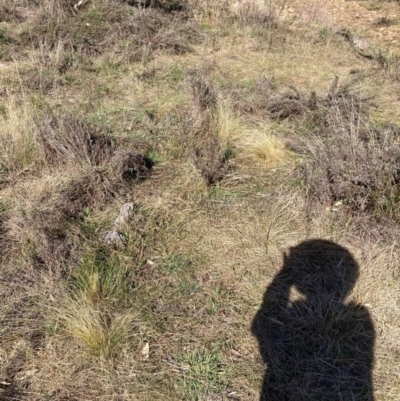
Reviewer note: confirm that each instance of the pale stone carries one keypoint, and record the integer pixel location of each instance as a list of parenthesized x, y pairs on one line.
[(125, 214), (114, 238)]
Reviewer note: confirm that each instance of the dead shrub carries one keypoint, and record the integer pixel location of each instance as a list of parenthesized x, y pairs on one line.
[(253, 98), (112, 24), (351, 162), (49, 233), (48, 241), (3, 218), (154, 30), (51, 230), (287, 104), (390, 64), (68, 140), (43, 81), (58, 9), (9, 13), (253, 13), (166, 5), (129, 165), (207, 153), (259, 97), (256, 12), (203, 91), (14, 366), (314, 107), (201, 134), (95, 187), (90, 189)]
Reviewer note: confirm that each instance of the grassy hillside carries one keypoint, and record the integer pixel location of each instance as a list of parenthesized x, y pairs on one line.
[(159, 161)]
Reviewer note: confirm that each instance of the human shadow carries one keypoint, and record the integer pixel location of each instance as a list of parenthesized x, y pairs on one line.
[(316, 347)]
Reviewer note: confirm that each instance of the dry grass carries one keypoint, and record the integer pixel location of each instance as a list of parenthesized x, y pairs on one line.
[(18, 143), (219, 123)]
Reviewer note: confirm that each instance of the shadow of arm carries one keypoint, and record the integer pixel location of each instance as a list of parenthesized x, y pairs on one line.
[(269, 320)]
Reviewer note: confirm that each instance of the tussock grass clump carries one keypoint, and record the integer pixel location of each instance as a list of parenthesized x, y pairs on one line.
[(99, 279), (267, 148), (95, 311), (245, 141), (104, 335), (224, 132)]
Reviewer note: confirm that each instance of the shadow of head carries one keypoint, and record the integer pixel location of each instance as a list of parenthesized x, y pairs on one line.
[(321, 269)]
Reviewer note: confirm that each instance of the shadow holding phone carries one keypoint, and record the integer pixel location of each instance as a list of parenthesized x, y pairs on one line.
[(317, 347)]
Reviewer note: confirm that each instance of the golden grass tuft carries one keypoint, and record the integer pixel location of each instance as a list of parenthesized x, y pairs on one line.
[(102, 335), (229, 125), (251, 142), (268, 148)]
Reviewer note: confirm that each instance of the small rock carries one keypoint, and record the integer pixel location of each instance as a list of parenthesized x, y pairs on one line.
[(125, 214), (145, 351), (114, 238), (149, 263), (363, 46)]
